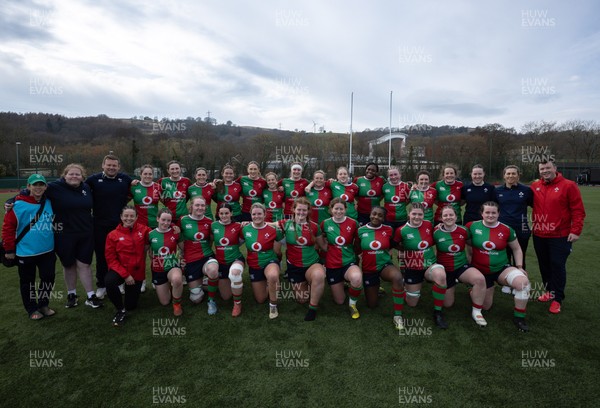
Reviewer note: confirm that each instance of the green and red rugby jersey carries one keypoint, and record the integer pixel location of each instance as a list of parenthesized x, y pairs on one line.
[(251, 191), (375, 244), (273, 201), (369, 193), (227, 241), (319, 204), (207, 191), (174, 196), (196, 238), (292, 190), (146, 199), (231, 194), (395, 198), (259, 244), (417, 244), (447, 195), (425, 197), (301, 240), (340, 241), (451, 253), (163, 247), (347, 192), (489, 246)]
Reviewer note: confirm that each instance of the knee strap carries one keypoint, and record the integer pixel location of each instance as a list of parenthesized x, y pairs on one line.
[(236, 278)]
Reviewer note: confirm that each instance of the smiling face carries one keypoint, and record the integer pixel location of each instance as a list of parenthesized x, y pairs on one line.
[(377, 216), (490, 214), (371, 171), (74, 177), (511, 176), (477, 176), (394, 176), (338, 211), (449, 175), (319, 179), (301, 212), (147, 175), (296, 173), (128, 217), (253, 171), (547, 171), (201, 177), (272, 181), (37, 189), (164, 221), (198, 207), (342, 175), (110, 167), (415, 217), (423, 182), (258, 216), (448, 217), (174, 171), (225, 215), (228, 175)]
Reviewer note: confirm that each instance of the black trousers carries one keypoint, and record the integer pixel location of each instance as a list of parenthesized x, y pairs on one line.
[(552, 254), (523, 239), (36, 296), (100, 234), (132, 292)]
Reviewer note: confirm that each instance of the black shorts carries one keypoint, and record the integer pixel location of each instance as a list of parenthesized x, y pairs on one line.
[(224, 268), (72, 247), (159, 278), (413, 276), (296, 274), (193, 270), (452, 276), (336, 275), (371, 279), (493, 277), (258, 274)]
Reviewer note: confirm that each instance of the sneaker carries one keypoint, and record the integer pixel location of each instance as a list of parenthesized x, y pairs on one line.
[(399, 322), (478, 317), (546, 297), (273, 312), (521, 324), (237, 309), (177, 309), (507, 290), (94, 302), (143, 288), (71, 300), (438, 318), (121, 288), (381, 291), (212, 308), (197, 298), (119, 318), (310, 315), (554, 307), (46, 311), (100, 293), (354, 311)]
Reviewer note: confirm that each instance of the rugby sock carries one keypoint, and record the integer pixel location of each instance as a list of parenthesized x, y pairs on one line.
[(398, 296), (439, 293), (237, 298), (312, 313), (313, 307), (476, 308), (354, 293), (519, 312), (212, 288), (176, 300)]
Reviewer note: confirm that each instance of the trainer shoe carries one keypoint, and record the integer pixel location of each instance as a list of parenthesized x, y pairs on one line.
[(310, 315), (122, 288), (381, 291), (554, 307), (399, 322), (119, 318), (273, 312), (478, 317), (438, 318), (521, 324), (507, 290), (197, 298), (100, 293), (212, 308), (143, 288), (71, 300), (94, 302), (546, 297), (237, 309), (177, 309), (354, 311)]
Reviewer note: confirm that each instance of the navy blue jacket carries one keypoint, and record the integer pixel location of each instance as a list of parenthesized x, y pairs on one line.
[(474, 196), (513, 206), (110, 196)]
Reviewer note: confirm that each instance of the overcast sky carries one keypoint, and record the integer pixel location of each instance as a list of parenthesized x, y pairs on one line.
[(292, 64)]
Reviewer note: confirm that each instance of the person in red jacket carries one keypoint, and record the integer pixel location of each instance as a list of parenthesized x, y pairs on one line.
[(126, 258), (558, 216)]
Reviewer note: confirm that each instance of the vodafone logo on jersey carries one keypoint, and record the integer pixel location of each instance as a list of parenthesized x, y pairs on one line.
[(451, 198), (371, 193), (228, 198), (425, 205), (294, 193), (147, 200), (178, 194), (489, 245), (272, 204), (198, 236), (454, 248), (395, 199), (224, 242), (301, 241), (163, 251), (252, 193), (375, 245), (341, 241), (256, 247), (423, 245), (319, 202), (345, 197)]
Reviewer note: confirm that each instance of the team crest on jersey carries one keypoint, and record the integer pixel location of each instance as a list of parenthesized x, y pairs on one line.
[(500, 235), (520, 194), (121, 238), (348, 228), (172, 239), (556, 190), (267, 235)]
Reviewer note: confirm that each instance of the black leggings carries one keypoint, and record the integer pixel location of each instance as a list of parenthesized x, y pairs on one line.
[(36, 296), (132, 292)]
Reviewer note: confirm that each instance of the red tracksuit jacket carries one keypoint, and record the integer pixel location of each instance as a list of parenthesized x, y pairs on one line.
[(125, 252)]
